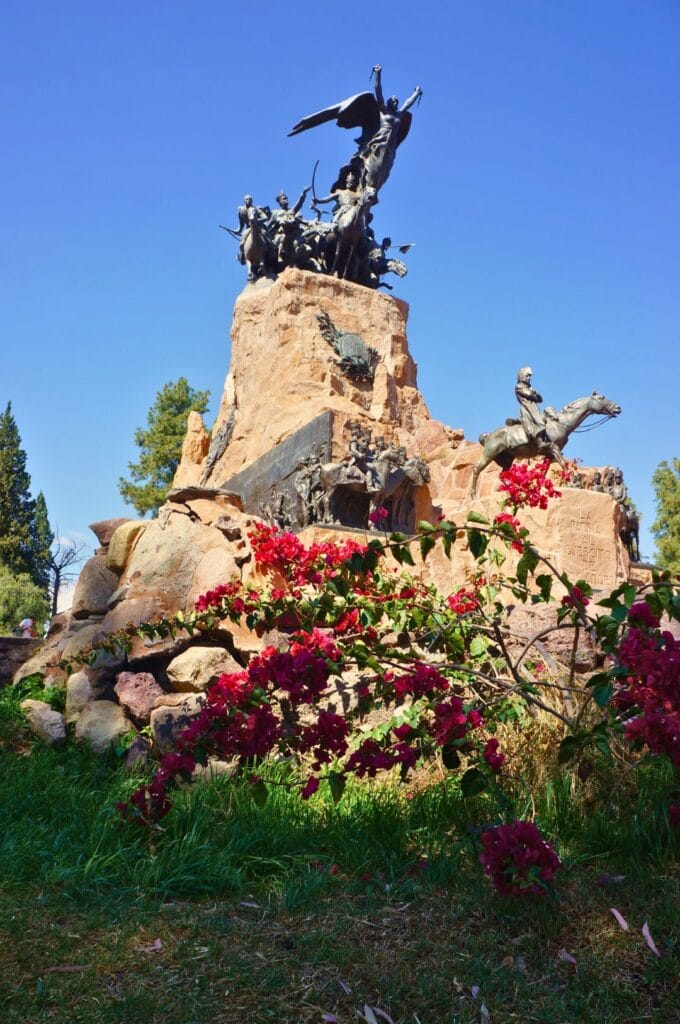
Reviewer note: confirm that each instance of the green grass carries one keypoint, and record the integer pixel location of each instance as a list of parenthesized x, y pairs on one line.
[(271, 913)]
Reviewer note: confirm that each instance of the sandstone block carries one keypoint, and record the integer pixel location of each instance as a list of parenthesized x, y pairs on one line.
[(79, 693), (105, 529), (138, 752), (168, 721), (122, 542), (101, 724), (198, 667), (136, 692), (38, 664), (95, 585), (46, 723), (194, 451)]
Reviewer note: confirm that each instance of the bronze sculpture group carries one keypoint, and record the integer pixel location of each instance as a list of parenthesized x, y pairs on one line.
[(346, 245), (372, 488)]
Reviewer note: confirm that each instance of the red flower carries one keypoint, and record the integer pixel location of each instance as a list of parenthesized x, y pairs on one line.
[(515, 526), (378, 516), (452, 723), (310, 787), (493, 758), (528, 484), (423, 681), (575, 598), (327, 737), (463, 601), (518, 859)]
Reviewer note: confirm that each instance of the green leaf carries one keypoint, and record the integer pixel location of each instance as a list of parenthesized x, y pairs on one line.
[(569, 748), (544, 583), (526, 565), (600, 679), (478, 646), (473, 783), (407, 557), (425, 527), (602, 694), (477, 542), (426, 545), (475, 517), (337, 782), (450, 757)]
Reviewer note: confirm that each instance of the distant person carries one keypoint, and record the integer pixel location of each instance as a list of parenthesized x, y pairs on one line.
[(27, 628)]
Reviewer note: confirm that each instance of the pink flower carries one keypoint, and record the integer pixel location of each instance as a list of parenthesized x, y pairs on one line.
[(378, 515)]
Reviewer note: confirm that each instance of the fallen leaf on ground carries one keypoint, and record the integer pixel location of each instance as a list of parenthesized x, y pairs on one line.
[(484, 1017), (562, 954), (151, 947), (604, 880), (647, 935), (474, 991), (620, 919)]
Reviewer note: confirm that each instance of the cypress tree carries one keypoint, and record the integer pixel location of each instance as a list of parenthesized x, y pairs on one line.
[(42, 538), (17, 508)]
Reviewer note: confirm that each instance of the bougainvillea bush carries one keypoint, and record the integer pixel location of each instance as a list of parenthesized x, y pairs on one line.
[(440, 674)]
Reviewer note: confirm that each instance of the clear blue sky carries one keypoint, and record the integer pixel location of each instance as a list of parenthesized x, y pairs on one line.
[(540, 182)]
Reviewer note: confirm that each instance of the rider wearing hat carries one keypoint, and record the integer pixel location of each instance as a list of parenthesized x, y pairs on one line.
[(531, 416)]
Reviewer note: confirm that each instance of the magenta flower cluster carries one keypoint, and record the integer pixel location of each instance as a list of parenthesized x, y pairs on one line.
[(518, 860)]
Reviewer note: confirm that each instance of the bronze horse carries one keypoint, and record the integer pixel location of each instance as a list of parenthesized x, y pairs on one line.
[(258, 251), (508, 443)]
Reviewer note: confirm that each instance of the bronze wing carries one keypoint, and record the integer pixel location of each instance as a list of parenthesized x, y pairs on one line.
[(360, 111)]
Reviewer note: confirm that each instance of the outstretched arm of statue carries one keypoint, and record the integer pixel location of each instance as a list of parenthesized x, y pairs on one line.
[(301, 201), (415, 95), (377, 74)]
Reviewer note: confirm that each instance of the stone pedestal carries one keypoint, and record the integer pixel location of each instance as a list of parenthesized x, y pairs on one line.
[(284, 373)]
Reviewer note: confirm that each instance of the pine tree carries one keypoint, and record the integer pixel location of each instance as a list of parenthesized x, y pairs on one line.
[(43, 538), (17, 508), (666, 526), (161, 445)]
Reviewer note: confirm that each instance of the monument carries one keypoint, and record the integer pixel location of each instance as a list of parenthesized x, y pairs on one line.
[(322, 429)]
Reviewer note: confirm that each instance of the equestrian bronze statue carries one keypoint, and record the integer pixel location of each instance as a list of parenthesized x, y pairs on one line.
[(538, 433)]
